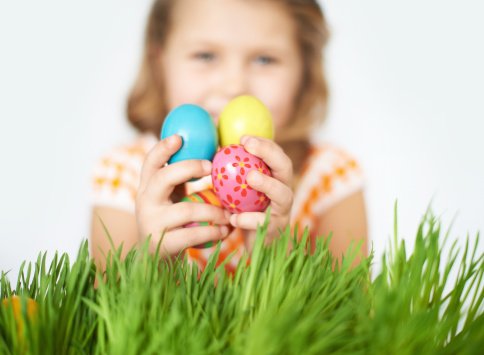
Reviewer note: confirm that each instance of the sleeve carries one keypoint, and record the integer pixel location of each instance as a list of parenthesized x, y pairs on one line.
[(330, 175), (115, 179)]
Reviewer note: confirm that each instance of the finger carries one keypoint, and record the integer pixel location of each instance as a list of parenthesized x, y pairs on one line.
[(272, 154), (180, 239), (162, 183), (247, 220), (183, 213), (158, 157), (253, 220), (281, 195)]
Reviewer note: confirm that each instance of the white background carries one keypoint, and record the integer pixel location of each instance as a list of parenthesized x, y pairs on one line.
[(407, 84)]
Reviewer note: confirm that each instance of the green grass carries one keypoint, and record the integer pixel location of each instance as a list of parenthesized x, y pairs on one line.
[(424, 302)]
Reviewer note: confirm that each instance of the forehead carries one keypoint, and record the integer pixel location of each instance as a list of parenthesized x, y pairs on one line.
[(249, 22)]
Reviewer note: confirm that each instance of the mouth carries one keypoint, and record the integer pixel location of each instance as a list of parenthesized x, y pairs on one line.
[(215, 116)]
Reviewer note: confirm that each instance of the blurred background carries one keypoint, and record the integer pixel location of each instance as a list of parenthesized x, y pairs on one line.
[(407, 99)]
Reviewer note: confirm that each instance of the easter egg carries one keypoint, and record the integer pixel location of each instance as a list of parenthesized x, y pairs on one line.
[(206, 196), (230, 168), (19, 306), (244, 115), (198, 132)]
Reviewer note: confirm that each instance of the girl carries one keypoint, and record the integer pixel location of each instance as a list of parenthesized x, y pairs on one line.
[(206, 53)]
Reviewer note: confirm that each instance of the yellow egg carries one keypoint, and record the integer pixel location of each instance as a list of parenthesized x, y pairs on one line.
[(17, 305), (244, 115)]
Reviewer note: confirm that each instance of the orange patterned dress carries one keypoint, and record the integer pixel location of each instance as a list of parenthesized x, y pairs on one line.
[(329, 175)]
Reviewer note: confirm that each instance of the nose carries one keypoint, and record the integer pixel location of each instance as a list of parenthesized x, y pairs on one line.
[(231, 79), (235, 79)]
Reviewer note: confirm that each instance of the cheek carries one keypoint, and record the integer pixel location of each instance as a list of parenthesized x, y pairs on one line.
[(282, 112), (180, 85), (279, 97), (178, 90)]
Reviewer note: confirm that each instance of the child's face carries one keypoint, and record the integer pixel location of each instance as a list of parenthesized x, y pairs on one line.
[(219, 49)]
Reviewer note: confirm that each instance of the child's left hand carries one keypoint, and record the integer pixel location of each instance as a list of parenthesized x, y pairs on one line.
[(277, 188)]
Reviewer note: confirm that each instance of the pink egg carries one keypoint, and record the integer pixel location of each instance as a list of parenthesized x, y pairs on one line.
[(230, 168)]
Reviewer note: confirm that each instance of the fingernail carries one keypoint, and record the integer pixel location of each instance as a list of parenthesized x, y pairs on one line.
[(248, 143), (207, 165), (172, 139), (254, 178), (233, 220), (224, 230), (227, 215)]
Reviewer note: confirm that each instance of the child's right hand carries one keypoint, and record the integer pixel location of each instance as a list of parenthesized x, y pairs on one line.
[(158, 215)]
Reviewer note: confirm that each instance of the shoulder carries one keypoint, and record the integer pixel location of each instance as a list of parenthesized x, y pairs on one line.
[(329, 174), (332, 159), (125, 155), (116, 174)]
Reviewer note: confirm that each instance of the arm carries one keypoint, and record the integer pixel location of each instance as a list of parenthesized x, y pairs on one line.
[(121, 226), (347, 221)]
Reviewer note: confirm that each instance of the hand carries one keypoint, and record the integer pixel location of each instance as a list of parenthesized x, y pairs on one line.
[(156, 213), (277, 188)]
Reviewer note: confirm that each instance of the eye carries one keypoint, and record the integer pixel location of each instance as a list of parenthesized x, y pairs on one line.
[(265, 60), (204, 56)]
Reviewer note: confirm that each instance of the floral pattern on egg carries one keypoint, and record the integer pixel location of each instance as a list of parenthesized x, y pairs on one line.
[(231, 165)]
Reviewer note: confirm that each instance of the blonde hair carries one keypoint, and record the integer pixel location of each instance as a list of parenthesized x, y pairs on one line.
[(146, 108)]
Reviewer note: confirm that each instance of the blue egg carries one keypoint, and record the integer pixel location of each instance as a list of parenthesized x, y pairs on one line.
[(196, 127)]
